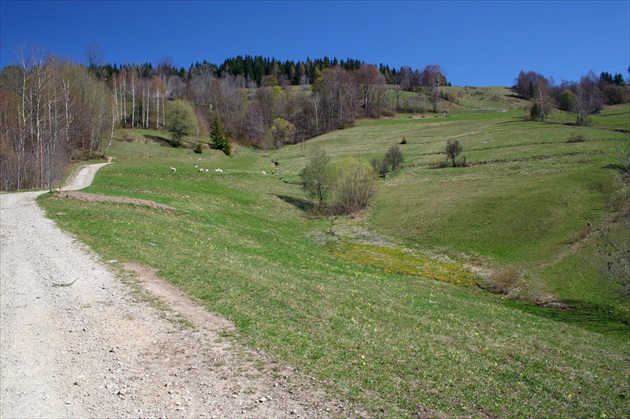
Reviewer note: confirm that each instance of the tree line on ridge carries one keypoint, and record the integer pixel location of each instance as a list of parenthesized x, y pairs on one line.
[(53, 111)]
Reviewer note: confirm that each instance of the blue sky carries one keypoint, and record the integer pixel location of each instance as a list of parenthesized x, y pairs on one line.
[(477, 43)]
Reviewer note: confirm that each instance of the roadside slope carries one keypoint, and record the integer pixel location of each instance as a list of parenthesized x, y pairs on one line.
[(77, 342)]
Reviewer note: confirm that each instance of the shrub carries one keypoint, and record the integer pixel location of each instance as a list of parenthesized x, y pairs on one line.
[(282, 132), (403, 141), (439, 165), (450, 97), (576, 138), (510, 283), (318, 176), (566, 101), (394, 157), (199, 148), (380, 167), (613, 257), (356, 185), (181, 120), (452, 150), (535, 112), (501, 281)]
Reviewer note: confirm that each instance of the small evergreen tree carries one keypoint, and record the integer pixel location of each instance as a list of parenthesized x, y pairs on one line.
[(218, 137)]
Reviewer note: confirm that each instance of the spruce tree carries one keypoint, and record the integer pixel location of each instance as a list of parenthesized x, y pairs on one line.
[(218, 137)]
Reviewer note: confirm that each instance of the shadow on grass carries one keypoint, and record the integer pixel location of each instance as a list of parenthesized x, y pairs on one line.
[(614, 166), (162, 141), (515, 121), (594, 319), (303, 204)]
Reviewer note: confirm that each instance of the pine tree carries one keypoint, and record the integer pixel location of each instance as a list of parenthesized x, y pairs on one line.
[(218, 137)]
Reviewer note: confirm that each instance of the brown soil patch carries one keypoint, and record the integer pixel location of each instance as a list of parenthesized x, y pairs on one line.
[(82, 196), (193, 311)]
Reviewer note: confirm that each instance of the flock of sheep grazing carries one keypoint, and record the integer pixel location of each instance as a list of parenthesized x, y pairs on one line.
[(201, 170)]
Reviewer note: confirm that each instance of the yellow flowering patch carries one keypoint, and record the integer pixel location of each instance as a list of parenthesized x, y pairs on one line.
[(403, 262)]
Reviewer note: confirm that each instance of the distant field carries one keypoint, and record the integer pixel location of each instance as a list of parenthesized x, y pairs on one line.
[(398, 325)]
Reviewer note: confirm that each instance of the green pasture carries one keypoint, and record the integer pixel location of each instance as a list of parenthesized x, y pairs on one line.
[(398, 324), (525, 200)]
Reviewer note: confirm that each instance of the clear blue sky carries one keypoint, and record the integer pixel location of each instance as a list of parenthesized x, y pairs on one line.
[(477, 43)]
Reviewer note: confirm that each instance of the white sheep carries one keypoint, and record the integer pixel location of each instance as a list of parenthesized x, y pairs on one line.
[(206, 170), (196, 167), (264, 173), (173, 169), (200, 170), (218, 170)]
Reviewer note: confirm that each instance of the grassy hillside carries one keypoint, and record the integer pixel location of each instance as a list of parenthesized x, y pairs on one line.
[(524, 203), (369, 321)]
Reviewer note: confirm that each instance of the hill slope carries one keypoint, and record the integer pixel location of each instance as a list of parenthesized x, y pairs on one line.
[(313, 294)]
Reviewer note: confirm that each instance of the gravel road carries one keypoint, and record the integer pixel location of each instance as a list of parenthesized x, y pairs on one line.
[(79, 340)]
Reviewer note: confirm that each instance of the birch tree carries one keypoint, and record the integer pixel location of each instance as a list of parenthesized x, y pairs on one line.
[(371, 84), (49, 109)]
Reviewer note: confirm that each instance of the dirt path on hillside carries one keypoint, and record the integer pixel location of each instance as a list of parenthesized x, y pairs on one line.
[(77, 341)]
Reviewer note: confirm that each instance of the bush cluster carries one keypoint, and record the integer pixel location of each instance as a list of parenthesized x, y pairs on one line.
[(392, 160), (576, 138), (513, 285), (351, 183)]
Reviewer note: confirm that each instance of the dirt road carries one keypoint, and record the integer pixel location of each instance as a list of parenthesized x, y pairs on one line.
[(77, 341)]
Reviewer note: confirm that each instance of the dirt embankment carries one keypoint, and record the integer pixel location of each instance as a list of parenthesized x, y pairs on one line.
[(90, 197)]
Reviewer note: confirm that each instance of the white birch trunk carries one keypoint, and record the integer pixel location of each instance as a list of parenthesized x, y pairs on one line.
[(157, 111), (133, 99)]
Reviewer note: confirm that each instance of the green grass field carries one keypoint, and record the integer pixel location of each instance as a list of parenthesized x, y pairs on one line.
[(395, 324), (525, 201)]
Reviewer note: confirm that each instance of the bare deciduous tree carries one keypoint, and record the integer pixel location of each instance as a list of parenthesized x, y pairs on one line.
[(371, 84), (433, 77), (588, 98), (94, 56), (52, 111)]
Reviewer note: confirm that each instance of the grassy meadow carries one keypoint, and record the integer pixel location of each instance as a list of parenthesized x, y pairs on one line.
[(383, 309)]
